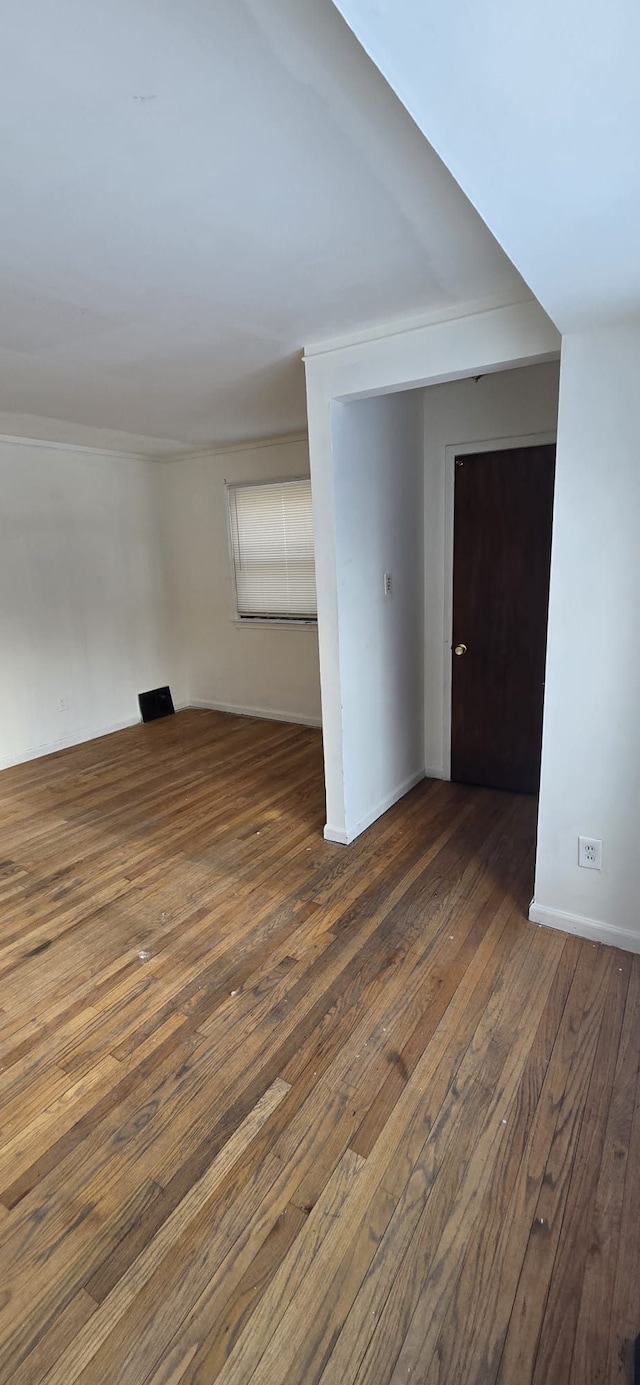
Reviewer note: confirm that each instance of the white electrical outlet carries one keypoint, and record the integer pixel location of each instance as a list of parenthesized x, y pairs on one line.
[(590, 853), (63, 704), (387, 584)]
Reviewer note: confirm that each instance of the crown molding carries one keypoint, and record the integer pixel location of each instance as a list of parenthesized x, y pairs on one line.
[(251, 445), (79, 447), (247, 445)]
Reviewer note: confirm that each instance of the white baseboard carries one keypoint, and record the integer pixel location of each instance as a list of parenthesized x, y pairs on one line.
[(266, 713), (36, 752), (345, 836), (593, 929), (334, 834), (438, 773)]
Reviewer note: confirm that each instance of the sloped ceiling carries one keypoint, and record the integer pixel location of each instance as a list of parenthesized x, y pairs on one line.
[(190, 192), (535, 109)]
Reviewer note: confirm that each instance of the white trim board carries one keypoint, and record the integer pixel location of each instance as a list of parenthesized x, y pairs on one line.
[(334, 834), (592, 929), (186, 455), (398, 326), (38, 752), (245, 445), (265, 713), (83, 447)]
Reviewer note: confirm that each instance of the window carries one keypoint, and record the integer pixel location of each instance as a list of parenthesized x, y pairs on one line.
[(272, 550)]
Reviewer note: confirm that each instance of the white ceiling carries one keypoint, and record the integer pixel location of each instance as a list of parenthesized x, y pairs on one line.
[(190, 193), (534, 105)]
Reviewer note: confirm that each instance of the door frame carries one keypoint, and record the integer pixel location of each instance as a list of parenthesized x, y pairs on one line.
[(453, 450)]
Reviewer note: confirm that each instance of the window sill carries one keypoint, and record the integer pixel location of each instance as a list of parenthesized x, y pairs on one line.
[(249, 622)]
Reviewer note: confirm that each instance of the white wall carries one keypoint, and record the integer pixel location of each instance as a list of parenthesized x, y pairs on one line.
[(505, 94), (268, 669), (82, 594), (378, 453), (591, 745), (496, 408), (115, 577)]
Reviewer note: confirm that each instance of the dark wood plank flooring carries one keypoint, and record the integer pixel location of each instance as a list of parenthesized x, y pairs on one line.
[(279, 1111)]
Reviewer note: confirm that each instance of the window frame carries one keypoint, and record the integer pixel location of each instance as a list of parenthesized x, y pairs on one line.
[(283, 621)]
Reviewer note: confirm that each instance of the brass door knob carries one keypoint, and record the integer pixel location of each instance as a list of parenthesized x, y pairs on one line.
[(460, 649)]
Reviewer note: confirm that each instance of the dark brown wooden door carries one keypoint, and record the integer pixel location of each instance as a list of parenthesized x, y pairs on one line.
[(502, 552)]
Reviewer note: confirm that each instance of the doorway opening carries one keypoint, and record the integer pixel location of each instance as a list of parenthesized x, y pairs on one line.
[(383, 418), (514, 413)]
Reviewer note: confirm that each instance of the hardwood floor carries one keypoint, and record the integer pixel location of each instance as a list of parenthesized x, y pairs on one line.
[(280, 1111)]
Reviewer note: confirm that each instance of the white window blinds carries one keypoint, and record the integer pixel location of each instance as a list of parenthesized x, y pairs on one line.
[(272, 550)]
